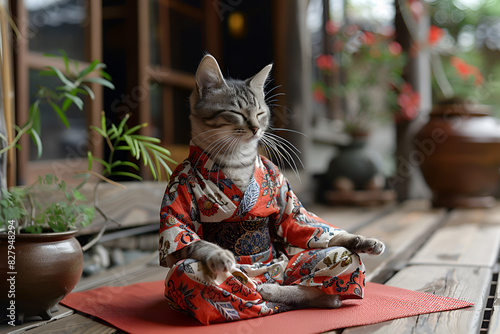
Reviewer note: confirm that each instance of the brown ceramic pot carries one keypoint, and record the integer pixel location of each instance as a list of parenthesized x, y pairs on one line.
[(459, 154), (46, 268)]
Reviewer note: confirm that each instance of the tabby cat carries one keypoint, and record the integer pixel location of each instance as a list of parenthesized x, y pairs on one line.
[(229, 119)]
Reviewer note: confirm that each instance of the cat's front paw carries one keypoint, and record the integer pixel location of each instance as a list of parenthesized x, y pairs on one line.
[(361, 244), (220, 261)]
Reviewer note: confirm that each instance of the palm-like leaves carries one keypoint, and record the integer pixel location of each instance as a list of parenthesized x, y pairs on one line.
[(63, 215), (145, 148), (73, 85)]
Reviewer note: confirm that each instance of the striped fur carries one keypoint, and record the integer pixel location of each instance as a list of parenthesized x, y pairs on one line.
[(228, 118)]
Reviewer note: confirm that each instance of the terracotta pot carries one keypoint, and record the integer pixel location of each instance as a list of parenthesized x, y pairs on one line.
[(46, 268), (459, 154)]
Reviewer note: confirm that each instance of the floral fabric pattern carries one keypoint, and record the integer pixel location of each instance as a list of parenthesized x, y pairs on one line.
[(199, 197)]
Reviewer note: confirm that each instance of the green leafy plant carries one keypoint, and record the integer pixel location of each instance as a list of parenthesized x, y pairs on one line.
[(459, 48), (121, 138), (61, 208), (50, 204), (12, 204), (364, 69), (73, 84)]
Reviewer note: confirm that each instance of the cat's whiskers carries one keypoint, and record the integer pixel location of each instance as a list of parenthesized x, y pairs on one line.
[(267, 96), (279, 156), (205, 132), (287, 145), (222, 146), (236, 144), (273, 152), (266, 149), (288, 130), (274, 95), (282, 148), (275, 105), (233, 146), (213, 145)]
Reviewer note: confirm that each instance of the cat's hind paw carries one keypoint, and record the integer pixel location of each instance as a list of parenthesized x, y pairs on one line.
[(267, 291), (298, 296)]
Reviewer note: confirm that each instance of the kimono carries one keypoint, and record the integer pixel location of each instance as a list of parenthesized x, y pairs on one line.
[(274, 240)]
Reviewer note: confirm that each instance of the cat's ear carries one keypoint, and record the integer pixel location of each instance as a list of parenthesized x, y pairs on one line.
[(259, 80), (208, 74)]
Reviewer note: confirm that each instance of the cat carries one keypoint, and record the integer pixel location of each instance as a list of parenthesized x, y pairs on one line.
[(229, 118)]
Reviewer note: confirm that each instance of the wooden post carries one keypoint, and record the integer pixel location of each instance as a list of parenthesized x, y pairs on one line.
[(22, 80), (407, 182), (94, 51), (164, 13), (143, 48), (8, 100)]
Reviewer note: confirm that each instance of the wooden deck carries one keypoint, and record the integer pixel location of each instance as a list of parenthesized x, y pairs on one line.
[(449, 253)]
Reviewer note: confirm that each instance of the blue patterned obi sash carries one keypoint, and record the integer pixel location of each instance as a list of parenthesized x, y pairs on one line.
[(242, 238)]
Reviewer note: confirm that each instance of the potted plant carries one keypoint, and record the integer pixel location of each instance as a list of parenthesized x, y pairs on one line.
[(364, 73), (41, 260), (458, 145)]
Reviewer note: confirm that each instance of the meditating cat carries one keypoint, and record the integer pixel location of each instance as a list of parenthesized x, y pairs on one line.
[(229, 217)]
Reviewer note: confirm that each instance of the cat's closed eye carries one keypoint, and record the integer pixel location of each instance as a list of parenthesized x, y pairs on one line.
[(233, 116)]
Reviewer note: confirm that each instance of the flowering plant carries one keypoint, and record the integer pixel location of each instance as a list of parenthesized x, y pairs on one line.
[(365, 69), (454, 75)]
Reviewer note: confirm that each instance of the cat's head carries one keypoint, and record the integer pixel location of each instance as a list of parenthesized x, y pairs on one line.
[(227, 113)]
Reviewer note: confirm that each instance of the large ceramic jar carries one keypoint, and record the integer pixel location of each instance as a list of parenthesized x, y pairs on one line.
[(36, 272), (459, 154)]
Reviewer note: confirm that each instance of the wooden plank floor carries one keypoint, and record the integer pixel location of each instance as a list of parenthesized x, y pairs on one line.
[(452, 254)]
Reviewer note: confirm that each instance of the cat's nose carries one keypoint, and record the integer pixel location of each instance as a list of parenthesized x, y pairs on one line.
[(254, 129)]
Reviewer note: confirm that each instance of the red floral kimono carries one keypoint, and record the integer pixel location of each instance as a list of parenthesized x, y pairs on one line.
[(261, 227)]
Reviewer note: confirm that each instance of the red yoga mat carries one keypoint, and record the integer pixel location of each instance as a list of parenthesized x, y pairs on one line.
[(142, 308)]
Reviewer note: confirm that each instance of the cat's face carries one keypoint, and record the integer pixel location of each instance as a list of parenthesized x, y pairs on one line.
[(226, 114)]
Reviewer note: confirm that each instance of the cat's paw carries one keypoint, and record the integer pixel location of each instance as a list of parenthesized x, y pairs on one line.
[(361, 244), (220, 261)]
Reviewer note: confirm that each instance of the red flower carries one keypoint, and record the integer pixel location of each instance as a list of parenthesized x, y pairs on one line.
[(325, 63), (395, 48), (319, 95), (207, 207), (409, 101), (465, 70), (331, 28), (435, 34), (368, 38)]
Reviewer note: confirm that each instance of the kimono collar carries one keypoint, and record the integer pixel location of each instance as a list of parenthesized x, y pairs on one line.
[(209, 170), (201, 162)]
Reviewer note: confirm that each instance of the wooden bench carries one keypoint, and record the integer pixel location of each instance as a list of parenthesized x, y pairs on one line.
[(449, 253)]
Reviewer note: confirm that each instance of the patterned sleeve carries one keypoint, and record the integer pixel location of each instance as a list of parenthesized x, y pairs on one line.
[(296, 225), (177, 216)]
